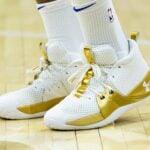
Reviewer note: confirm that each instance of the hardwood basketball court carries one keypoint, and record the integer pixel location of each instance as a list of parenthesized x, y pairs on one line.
[(20, 32)]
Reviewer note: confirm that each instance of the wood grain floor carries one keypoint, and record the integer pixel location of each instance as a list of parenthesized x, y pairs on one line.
[(20, 33)]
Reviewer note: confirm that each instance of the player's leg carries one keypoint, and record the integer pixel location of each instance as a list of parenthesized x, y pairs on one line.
[(60, 59), (116, 79), (100, 24), (61, 25)]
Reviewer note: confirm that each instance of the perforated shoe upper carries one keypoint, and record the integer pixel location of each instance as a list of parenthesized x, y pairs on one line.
[(122, 76), (49, 88)]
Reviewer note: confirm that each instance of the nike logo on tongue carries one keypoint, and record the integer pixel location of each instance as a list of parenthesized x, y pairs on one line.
[(83, 8)]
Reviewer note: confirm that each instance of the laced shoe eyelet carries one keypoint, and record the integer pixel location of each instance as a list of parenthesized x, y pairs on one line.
[(111, 92), (102, 97)]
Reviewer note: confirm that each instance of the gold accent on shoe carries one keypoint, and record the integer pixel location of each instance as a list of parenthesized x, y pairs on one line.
[(89, 74), (88, 55), (135, 36), (115, 100), (111, 101), (35, 76), (39, 107), (92, 119), (84, 83), (43, 52)]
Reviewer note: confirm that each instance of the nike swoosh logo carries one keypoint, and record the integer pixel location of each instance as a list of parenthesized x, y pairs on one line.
[(111, 103), (39, 107), (83, 8)]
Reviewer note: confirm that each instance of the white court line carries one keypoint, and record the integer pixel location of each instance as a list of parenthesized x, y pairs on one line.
[(144, 42), (39, 35), (22, 34)]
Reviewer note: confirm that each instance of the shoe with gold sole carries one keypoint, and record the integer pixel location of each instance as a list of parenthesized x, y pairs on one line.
[(108, 87), (48, 88)]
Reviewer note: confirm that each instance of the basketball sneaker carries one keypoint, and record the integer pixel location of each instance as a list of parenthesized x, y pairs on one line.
[(108, 87), (49, 87)]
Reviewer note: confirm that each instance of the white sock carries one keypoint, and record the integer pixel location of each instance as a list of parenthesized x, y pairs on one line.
[(100, 24), (61, 25)]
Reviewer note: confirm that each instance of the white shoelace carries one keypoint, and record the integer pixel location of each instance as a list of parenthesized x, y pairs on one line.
[(43, 72), (97, 82), (46, 71)]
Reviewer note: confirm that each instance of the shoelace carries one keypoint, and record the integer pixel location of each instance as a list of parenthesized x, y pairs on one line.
[(99, 81), (37, 70), (95, 81), (93, 73), (41, 73), (46, 70)]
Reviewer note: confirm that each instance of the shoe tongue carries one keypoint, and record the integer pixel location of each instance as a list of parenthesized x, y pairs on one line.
[(58, 53), (104, 55)]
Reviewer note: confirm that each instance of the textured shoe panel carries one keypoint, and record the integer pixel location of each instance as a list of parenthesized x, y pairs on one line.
[(73, 105), (18, 104), (107, 93)]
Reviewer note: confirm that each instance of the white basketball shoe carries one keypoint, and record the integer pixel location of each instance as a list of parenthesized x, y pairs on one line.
[(48, 89), (109, 87)]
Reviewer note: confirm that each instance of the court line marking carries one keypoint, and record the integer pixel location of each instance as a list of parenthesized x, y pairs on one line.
[(22, 34), (144, 42), (41, 35)]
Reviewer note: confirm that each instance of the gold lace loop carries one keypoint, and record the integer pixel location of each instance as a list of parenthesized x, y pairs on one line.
[(84, 83), (43, 53), (89, 74), (135, 35), (88, 55), (44, 62)]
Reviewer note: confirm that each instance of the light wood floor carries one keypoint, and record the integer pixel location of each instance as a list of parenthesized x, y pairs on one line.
[(20, 28)]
